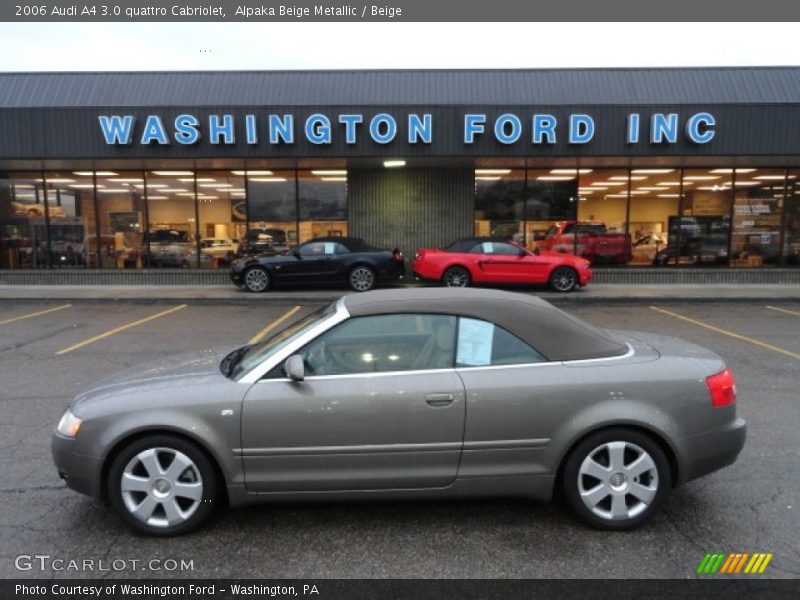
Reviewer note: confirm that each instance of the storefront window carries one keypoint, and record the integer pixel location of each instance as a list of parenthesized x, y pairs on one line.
[(121, 214), (551, 198), (221, 202), (170, 240), (22, 207), (322, 203), (655, 200), (500, 203), (791, 235), (71, 215), (701, 234), (272, 212), (602, 215), (757, 211)]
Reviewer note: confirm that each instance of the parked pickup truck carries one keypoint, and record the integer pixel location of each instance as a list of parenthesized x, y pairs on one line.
[(594, 242)]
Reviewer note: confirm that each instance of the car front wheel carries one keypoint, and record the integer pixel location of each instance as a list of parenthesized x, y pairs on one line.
[(563, 279), (616, 479), (162, 485), (256, 279)]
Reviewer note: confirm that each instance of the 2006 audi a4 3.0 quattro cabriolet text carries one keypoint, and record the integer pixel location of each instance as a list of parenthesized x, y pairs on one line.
[(414, 393)]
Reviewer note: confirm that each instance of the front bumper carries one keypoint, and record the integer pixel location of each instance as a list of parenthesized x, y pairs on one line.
[(236, 278), (711, 450), (81, 473)]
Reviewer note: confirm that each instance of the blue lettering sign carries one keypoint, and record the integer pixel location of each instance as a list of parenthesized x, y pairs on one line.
[(350, 122), (502, 132), (117, 129), (473, 125), (664, 128), (387, 123), (581, 129), (318, 129), (154, 131), (281, 129), (420, 130), (223, 128), (544, 126), (700, 128), (186, 131), (633, 128), (251, 133)]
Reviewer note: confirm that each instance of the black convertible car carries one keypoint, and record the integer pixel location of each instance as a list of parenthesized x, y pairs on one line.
[(331, 260)]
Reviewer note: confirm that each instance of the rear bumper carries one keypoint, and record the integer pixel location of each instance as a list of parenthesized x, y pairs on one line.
[(712, 450)]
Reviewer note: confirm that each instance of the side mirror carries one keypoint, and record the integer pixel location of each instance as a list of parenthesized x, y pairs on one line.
[(536, 251), (294, 369), (523, 252)]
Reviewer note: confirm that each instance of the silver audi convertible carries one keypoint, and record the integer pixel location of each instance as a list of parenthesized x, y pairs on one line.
[(415, 393)]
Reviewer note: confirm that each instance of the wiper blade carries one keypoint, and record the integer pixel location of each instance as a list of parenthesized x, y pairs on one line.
[(230, 361)]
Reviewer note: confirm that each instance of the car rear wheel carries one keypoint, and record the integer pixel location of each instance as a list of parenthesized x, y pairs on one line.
[(563, 279), (256, 280), (361, 279), (456, 277), (616, 479), (162, 485)]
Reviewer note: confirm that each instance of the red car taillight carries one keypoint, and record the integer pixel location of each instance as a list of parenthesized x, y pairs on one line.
[(418, 256), (722, 388)]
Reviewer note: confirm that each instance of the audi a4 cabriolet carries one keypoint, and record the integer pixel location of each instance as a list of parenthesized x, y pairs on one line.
[(413, 393)]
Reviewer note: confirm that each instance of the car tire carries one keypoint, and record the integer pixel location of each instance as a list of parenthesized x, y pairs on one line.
[(155, 498), (456, 277), (563, 279), (257, 280), (361, 279), (616, 479)]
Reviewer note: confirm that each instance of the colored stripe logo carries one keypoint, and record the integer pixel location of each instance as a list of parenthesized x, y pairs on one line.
[(734, 563)]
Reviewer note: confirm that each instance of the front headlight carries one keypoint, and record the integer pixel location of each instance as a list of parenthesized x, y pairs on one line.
[(69, 424)]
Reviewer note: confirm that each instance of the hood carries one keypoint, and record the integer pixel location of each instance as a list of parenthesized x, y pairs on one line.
[(174, 372)]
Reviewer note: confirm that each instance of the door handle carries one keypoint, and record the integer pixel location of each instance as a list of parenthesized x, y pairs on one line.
[(439, 399)]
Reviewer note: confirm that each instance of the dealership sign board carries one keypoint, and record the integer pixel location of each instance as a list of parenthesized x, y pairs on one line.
[(355, 128)]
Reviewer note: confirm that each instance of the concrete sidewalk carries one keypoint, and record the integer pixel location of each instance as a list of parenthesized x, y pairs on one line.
[(228, 294)]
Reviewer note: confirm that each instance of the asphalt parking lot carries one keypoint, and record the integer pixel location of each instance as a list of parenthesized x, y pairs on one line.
[(749, 507)]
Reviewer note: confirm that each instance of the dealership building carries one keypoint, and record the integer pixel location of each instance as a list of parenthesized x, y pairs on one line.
[(135, 172)]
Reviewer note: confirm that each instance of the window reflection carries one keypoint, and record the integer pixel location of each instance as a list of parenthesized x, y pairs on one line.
[(322, 203), (500, 203), (758, 204)]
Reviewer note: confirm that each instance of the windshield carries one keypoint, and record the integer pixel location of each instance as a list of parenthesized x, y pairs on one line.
[(257, 353)]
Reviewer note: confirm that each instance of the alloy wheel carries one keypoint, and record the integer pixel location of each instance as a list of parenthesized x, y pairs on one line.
[(161, 487), (456, 278), (362, 279), (256, 280), (563, 280), (618, 480)]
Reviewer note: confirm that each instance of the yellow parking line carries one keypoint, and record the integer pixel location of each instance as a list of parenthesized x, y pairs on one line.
[(111, 332), (36, 314), (737, 336), (273, 325), (784, 310)]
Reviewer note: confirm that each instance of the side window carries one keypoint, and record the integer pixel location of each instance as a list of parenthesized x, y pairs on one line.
[(405, 342), (506, 249), (318, 249), (481, 344), (341, 249)]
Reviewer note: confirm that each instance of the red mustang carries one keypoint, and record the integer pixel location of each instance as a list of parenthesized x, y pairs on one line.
[(495, 260)]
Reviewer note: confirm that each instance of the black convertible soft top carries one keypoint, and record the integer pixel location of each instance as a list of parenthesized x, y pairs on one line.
[(554, 333)]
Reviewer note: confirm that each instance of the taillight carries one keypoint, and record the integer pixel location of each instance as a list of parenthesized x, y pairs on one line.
[(722, 387), (418, 256), (398, 254)]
